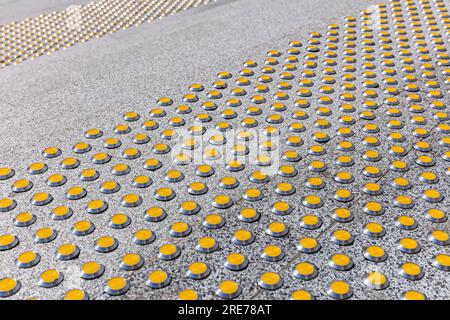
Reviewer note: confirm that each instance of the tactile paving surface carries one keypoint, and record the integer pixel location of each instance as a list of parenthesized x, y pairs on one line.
[(47, 33), (321, 171)]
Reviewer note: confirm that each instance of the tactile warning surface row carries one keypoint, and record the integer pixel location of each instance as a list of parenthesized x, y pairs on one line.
[(324, 173), (47, 33)]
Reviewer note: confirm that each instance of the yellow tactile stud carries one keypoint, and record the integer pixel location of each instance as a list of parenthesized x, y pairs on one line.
[(50, 278), (189, 208), (228, 289), (413, 295), (312, 201), (342, 237), (155, 214), (243, 237), (270, 280), (76, 294), (6, 173), (236, 262), (374, 230), (339, 289), (168, 252), (45, 235), (132, 261), (376, 280), (375, 254), (308, 245), (277, 229), (222, 201), (41, 199), (106, 244), (92, 270), (189, 294), (100, 158), (7, 204), (21, 185), (96, 206), (75, 193), (117, 286), (164, 194), (9, 287), (82, 228), (305, 271), (67, 251), (51, 152), (158, 279), (198, 270), (439, 237), (301, 295), (436, 215), (411, 271)]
